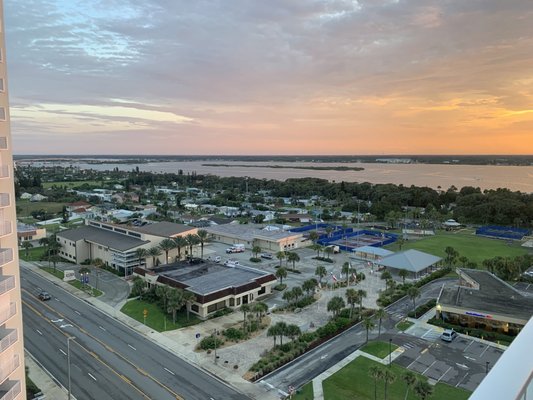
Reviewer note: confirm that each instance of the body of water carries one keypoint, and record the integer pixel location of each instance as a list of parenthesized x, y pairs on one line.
[(431, 175)]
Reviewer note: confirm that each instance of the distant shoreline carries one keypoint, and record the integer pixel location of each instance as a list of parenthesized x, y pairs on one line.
[(333, 168)]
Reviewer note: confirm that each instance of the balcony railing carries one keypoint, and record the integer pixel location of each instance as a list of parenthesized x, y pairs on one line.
[(7, 283), (8, 337), (4, 200), (6, 256), (10, 390), (7, 368), (4, 171), (7, 312), (5, 228), (3, 143)]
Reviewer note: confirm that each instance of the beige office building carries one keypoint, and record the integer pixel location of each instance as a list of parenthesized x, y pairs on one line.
[(12, 384)]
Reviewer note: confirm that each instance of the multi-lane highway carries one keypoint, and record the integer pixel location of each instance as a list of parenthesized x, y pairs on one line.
[(108, 359)]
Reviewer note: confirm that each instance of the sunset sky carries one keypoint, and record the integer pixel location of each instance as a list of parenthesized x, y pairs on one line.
[(270, 77)]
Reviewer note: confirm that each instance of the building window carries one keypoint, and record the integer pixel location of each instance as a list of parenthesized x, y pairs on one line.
[(262, 291), (2, 114), (238, 301), (195, 308), (1, 85), (232, 302)]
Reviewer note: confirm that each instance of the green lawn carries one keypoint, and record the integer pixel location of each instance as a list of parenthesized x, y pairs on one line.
[(475, 248), (34, 254), (378, 349), (76, 283), (404, 325), (57, 273), (71, 184), (305, 392), (156, 318), (94, 292), (354, 382), (26, 207)]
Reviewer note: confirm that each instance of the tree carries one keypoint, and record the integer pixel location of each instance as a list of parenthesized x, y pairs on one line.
[(423, 390), (174, 302), (162, 292), (166, 245), (26, 245), (259, 308), (202, 238), (309, 285), (281, 273), (53, 248), (245, 308), (375, 373), (318, 248), (386, 276), (413, 292), (188, 298), (388, 377), (321, 272), (362, 294), (192, 240), (138, 287), (273, 331), (282, 329), (154, 252), (451, 255), (292, 331), (293, 257), (313, 236), (328, 250), (288, 296), (297, 292), (97, 263), (379, 315), (410, 379), (141, 255), (180, 243), (335, 305), (352, 298), (346, 269), (256, 250), (463, 260), (368, 324), (280, 255), (403, 274)]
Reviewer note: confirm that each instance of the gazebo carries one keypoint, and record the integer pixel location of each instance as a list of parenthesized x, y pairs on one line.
[(413, 261)]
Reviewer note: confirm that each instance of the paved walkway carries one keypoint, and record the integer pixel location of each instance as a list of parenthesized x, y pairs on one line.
[(43, 379)]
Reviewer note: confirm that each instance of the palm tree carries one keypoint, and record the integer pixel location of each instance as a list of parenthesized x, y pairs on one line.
[(389, 377), (138, 287), (175, 302), (141, 255), (362, 294), (463, 260), (188, 298), (309, 285), (368, 324), (313, 236), (166, 245), (335, 305), (451, 255), (202, 237), (413, 292), (282, 329), (321, 272), (53, 247), (376, 373), (297, 292), (26, 245), (346, 269), (316, 247), (260, 309), (281, 273), (192, 240), (352, 298), (386, 276), (288, 296), (403, 274), (273, 331), (423, 389), (292, 331), (244, 309), (256, 250), (380, 314), (180, 243), (280, 255), (293, 257), (154, 252), (410, 379), (328, 250), (97, 263), (162, 292)]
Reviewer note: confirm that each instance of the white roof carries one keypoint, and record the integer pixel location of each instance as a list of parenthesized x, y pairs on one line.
[(410, 260)]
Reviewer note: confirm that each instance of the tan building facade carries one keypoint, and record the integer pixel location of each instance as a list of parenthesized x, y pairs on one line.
[(12, 379)]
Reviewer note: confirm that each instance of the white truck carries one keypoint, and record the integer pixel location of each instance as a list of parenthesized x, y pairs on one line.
[(236, 248)]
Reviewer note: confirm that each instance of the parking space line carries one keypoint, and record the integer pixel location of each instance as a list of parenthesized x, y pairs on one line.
[(483, 352), (461, 381), (426, 370), (416, 359), (442, 376), (468, 345)]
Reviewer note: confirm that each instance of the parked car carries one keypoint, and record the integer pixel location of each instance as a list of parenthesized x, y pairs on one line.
[(448, 335), (231, 263), (268, 256), (217, 259), (44, 296)]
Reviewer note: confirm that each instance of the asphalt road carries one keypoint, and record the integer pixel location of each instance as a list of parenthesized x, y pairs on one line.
[(109, 360), (318, 360)]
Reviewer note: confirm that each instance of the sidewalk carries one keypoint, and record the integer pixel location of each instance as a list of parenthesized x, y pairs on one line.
[(43, 379)]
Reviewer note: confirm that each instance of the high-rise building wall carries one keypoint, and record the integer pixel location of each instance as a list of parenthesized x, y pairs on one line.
[(12, 380)]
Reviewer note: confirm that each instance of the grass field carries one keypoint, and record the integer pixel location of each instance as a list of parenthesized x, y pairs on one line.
[(378, 349), (26, 207), (34, 254), (71, 184), (77, 284), (156, 318), (404, 325), (475, 248), (305, 392), (354, 382)]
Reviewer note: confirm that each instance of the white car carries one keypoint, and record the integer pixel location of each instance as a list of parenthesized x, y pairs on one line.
[(448, 335)]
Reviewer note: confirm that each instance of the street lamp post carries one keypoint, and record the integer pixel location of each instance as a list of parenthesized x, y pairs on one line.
[(68, 362), (390, 352), (215, 336)]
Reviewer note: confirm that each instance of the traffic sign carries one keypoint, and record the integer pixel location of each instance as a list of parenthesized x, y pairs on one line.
[(145, 312)]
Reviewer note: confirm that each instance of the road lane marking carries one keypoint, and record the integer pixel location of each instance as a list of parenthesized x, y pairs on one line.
[(483, 352), (77, 312), (461, 381), (416, 359), (470, 358), (132, 346), (39, 332), (324, 356), (169, 371), (463, 366), (425, 350), (63, 352), (91, 375), (442, 376), (55, 321), (65, 326), (426, 370), (102, 328)]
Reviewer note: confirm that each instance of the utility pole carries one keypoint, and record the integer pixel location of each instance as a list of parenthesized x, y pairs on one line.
[(68, 362)]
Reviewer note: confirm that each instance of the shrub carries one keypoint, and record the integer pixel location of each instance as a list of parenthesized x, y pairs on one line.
[(328, 260), (255, 259), (422, 309), (221, 312), (492, 336), (286, 347), (280, 286), (234, 334), (307, 337), (210, 342)]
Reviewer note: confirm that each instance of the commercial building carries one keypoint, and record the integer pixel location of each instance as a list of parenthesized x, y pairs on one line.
[(116, 245), (12, 377), (268, 239), (481, 300), (28, 233), (215, 286)]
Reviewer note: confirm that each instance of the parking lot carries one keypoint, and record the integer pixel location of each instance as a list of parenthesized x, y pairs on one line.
[(462, 363)]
